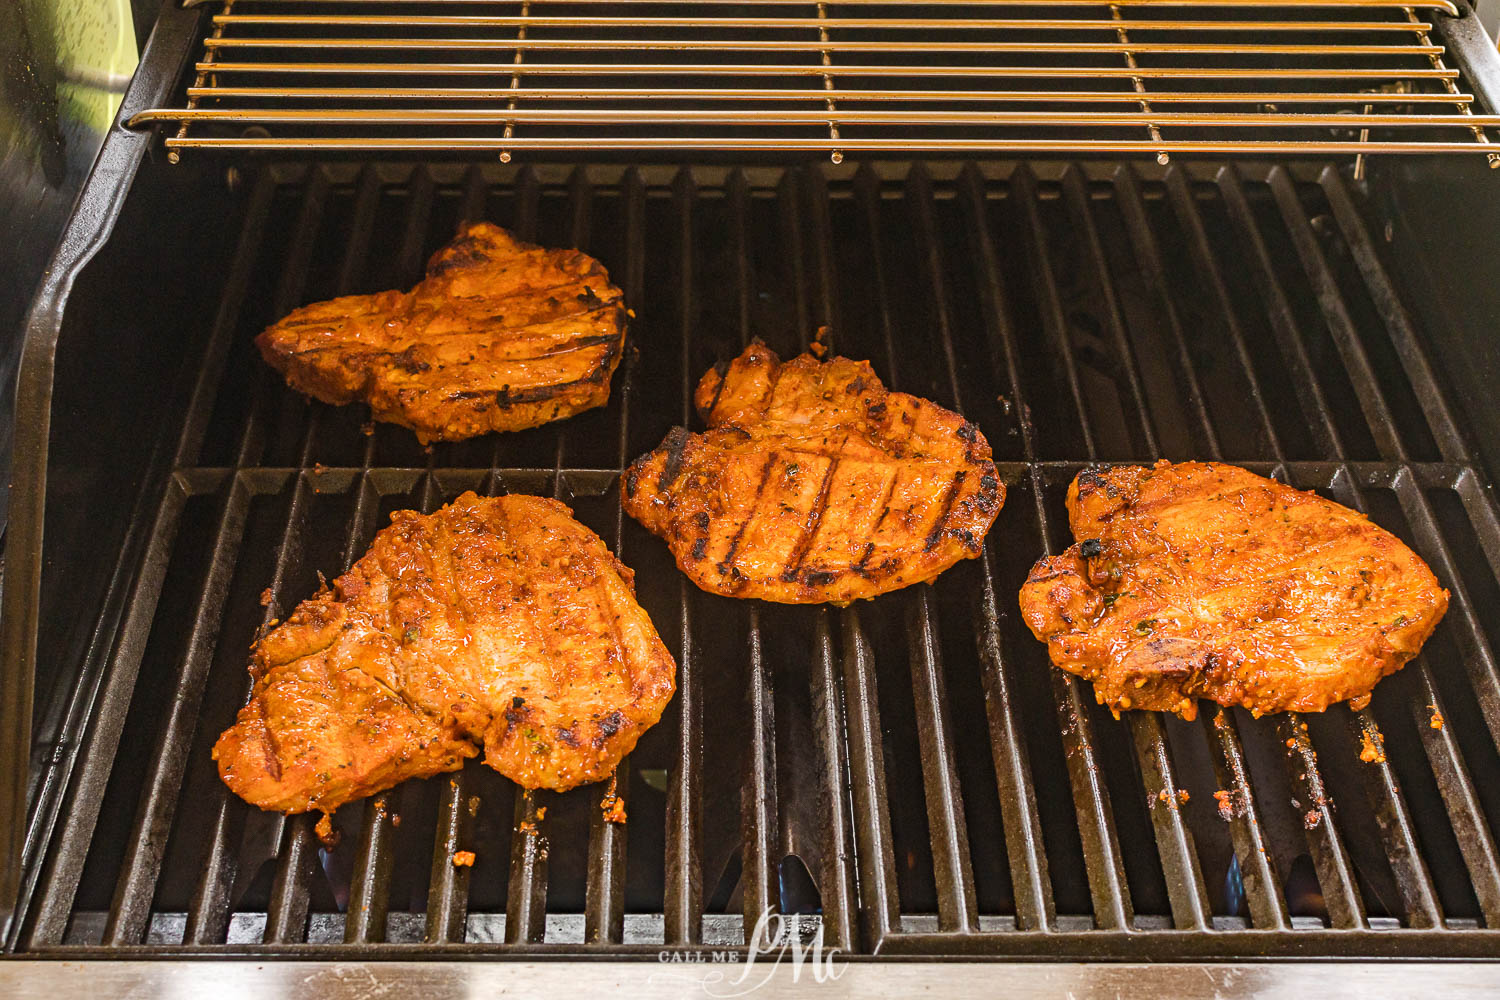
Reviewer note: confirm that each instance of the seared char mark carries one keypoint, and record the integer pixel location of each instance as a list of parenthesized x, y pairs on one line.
[(814, 520), (727, 564), (935, 535), (677, 440)]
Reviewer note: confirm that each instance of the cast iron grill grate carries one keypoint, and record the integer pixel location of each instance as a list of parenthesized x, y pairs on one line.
[(909, 771), (1148, 77)]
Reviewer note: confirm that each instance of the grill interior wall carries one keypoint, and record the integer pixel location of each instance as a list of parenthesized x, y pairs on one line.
[(946, 790)]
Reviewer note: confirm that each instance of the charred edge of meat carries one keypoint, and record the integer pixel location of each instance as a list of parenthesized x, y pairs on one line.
[(466, 251), (1089, 481), (1090, 548), (674, 445)]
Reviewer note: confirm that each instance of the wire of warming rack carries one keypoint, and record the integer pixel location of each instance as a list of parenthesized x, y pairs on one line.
[(908, 76)]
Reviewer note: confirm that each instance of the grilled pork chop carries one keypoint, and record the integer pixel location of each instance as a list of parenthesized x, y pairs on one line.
[(813, 483), (1206, 581), (497, 622), (500, 336)]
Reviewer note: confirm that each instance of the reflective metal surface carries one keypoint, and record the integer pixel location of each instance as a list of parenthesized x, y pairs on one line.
[(26, 980)]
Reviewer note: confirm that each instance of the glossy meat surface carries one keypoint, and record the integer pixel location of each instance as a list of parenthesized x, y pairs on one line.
[(1202, 580), (501, 335), (497, 623), (814, 483)]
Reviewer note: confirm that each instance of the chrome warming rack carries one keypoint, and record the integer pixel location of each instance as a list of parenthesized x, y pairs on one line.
[(1144, 77)]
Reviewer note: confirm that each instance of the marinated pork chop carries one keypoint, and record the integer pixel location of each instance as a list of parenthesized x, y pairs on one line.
[(501, 335), (1206, 581), (813, 483), (497, 622)]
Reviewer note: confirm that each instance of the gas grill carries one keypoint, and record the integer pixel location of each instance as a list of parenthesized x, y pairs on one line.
[(908, 776)]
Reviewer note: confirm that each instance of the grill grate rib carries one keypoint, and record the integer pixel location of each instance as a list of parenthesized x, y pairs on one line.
[(1053, 286), (991, 76)]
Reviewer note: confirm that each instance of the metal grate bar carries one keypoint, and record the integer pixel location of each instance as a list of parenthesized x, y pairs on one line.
[(364, 921), (1035, 909), (758, 813), (952, 868), (296, 860), (526, 901), (1459, 796), (1478, 656), (957, 906), (1076, 194), (880, 908), (1324, 51), (1263, 892), (1283, 322), (845, 95), (1174, 841), (753, 70), (1181, 197), (1133, 206), (1339, 323), (839, 899), (800, 23), (1341, 896), (1434, 404), (1291, 41), (683, 905), (1059, 119), (448, 887)]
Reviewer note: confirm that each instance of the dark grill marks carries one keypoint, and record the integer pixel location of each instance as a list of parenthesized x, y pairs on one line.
[(942, 519), (676, 441), (722, 368), (727, 565), (814, 520), (885, 511)]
